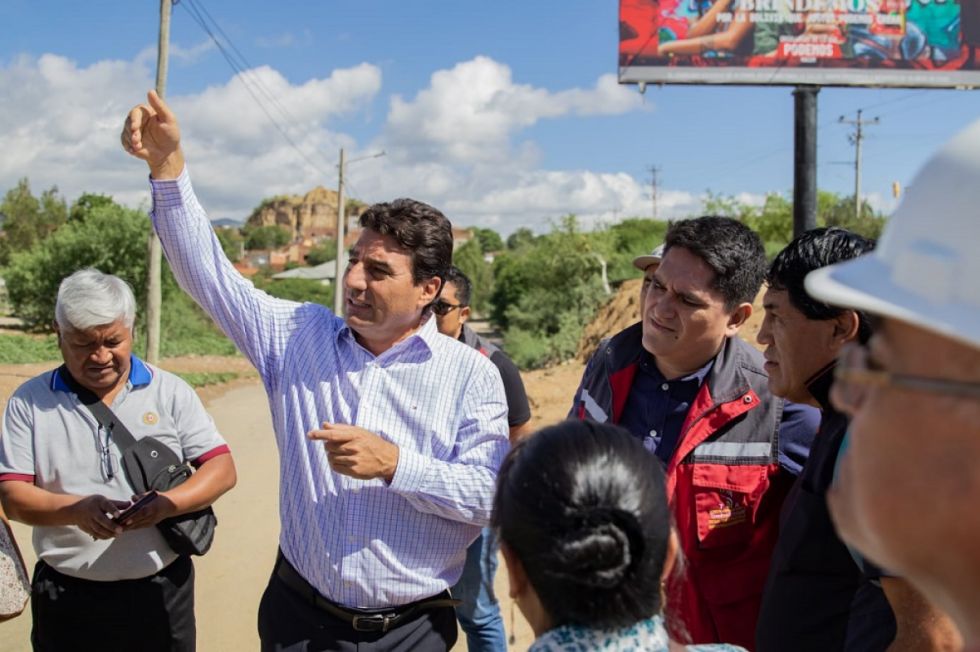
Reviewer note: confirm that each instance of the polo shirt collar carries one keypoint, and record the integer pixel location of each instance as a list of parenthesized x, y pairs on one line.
[(140, 375)]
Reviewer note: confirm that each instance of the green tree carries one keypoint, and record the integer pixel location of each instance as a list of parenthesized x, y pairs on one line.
[(231, 242), (774, 219), (297, 289), (112, 239), (545, 292), (324, 252), (271, 236), (27, 219), (469, 259), (841, 213), (489, 239), (87, 203), (519, 238), (620, 243)]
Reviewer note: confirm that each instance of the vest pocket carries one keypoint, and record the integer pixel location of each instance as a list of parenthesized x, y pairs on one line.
[(726, 500)]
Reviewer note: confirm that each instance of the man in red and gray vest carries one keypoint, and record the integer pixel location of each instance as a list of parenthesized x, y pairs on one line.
[(696, 394), (478, 611)]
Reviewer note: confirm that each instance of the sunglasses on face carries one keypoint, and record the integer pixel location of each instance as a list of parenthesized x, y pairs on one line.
[(856, 372), (443, 308)]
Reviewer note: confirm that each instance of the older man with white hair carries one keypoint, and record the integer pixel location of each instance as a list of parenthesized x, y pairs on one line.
[(105, 579), (908, 486)]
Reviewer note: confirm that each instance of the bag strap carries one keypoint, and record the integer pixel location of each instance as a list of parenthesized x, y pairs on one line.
[(106, 417)]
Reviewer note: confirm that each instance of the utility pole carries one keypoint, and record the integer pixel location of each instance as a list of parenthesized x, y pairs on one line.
[(338, 286), (855, 139), (338, 291), (654, 184), (153, 267)]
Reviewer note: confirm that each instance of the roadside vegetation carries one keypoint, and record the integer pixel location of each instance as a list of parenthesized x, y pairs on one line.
[(540, 289)]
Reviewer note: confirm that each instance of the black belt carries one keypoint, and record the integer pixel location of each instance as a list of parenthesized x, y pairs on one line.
[(379, 620)]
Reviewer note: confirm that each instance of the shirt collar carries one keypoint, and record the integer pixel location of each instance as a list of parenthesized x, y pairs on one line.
[(140, 375), (425, 333), (695, 376)]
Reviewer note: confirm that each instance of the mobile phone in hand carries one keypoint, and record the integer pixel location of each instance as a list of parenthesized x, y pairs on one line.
[(135, 507)]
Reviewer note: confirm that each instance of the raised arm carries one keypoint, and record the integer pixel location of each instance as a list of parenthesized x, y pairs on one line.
[(257, 323)]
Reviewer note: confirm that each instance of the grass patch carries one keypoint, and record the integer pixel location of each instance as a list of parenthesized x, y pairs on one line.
[(24, 349), (205, 378)]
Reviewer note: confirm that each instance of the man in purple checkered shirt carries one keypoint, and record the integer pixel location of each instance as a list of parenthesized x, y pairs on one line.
[(389, 434)]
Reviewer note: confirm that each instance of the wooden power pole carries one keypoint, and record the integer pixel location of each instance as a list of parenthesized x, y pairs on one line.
[(153, 267), (338, 285)]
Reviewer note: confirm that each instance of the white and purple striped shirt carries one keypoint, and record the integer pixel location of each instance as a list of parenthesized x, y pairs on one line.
[(361, 543)]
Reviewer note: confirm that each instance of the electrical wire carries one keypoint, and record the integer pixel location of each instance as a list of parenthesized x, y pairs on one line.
[(196, 11)]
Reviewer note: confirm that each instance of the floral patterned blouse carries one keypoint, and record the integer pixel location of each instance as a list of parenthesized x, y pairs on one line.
[(644, 636)]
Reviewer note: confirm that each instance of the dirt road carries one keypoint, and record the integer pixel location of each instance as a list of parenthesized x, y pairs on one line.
[(232, 576)]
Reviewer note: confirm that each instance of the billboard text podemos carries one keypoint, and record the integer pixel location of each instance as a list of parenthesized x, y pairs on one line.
[(829, 42)]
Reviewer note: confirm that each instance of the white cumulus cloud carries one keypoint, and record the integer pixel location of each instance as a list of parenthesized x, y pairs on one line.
[(464, 142)]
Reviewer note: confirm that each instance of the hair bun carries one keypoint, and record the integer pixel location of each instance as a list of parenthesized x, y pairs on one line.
[(597, 555)]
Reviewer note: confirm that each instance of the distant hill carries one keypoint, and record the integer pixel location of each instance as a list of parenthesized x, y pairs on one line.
[(227, 222)]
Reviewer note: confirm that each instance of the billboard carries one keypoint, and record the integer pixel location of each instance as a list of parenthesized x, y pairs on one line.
[(905, 43)]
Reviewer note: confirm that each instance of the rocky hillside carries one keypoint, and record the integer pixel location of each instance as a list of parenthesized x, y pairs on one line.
[(314, 215)]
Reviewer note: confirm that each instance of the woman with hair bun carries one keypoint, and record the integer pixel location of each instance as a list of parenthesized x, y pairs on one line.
[(584, 527)]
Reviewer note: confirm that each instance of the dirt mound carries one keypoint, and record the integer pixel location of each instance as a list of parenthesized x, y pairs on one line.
[(623, 310), (620, 311)]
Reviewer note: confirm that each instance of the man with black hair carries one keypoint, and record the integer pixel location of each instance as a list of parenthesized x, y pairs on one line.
[(478, 611), (389, 434), (697, 396), (820, 596)]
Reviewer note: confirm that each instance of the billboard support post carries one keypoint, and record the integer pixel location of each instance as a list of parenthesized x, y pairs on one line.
[(805, 159)]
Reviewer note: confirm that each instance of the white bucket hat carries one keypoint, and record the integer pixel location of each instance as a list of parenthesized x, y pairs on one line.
[(926, 267), (655, 256)]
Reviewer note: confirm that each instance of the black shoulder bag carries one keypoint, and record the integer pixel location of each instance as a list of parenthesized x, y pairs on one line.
[(150, 464)]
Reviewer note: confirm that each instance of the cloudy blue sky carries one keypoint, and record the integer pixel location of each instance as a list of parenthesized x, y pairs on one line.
[(503, 113)]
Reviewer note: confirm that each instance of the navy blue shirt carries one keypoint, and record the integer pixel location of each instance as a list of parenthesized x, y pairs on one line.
[(656, 408)]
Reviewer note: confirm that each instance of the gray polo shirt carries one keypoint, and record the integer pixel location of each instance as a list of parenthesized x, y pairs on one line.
[(50, 439)]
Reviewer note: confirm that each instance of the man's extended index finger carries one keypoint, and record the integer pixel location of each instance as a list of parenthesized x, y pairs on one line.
[(161, 108), (331, 434)]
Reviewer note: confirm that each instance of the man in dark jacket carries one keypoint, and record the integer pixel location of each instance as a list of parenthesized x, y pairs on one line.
[(478, 611), (697, 395), (818, 595)]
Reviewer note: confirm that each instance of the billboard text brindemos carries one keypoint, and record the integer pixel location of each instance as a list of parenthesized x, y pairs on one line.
[(908, 43)]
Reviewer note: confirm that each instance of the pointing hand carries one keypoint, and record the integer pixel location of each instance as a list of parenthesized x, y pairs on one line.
[(151, 133)]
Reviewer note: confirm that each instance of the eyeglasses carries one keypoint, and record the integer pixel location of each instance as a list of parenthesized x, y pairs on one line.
[(443, 308), (855, 373), (105, 452)]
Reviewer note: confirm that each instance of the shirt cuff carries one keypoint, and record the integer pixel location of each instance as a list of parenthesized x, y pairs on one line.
[(19, 477), (410, 472), (211, 454), (172, 193)]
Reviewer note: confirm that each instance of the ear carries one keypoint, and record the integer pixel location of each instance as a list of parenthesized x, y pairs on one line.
[(430, 290), (737, 319), (516, 577), (671, 559), (846, 327), (464, 314)]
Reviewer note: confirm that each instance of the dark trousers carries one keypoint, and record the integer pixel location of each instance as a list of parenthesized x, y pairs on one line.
[(151, 614), (291, 623)]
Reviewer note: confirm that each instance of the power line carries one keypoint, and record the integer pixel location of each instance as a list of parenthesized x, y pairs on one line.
[(247, 80)]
